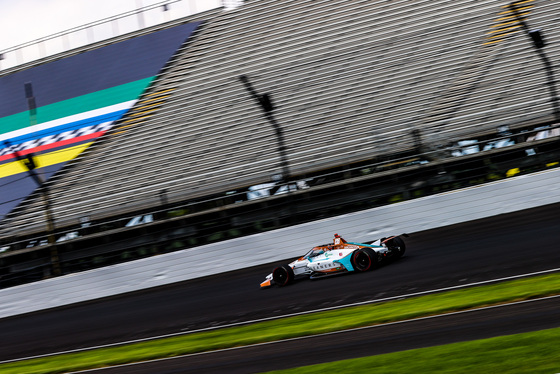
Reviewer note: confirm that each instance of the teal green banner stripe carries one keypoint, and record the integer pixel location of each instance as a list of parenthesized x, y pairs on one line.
[(80, 104)]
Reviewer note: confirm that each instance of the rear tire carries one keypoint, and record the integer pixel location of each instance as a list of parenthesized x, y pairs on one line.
[(364, 259), (283, 275), (397, 247)]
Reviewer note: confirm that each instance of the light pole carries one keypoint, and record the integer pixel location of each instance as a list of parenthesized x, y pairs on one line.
[(30, 164), (266, 105), (539, 44)]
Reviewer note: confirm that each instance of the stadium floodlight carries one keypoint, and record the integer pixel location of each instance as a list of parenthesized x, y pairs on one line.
[(537, 38), (265, 102), (539, 43), (31, 103)]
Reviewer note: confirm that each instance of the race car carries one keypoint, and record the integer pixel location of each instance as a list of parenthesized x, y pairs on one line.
[(337, 258)]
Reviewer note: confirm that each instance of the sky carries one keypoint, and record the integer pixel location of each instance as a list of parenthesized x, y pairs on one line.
[(22, 21)]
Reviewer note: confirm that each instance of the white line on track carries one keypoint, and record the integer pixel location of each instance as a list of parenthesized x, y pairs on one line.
[(323, 334), (287, 315)]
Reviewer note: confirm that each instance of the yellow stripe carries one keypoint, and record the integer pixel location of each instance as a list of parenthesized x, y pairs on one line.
[(155, 98), (143, 112), (117, 133), (132, 124), (43, 160), (502, 30), (501, 35), (508, 17), (136, 109), (494, 41), (134, 119), (519, 3), (506, 23), (160, 92), (520, 9)]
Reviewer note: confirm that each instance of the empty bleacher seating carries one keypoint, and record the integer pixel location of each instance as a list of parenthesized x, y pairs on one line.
[(351, 80)]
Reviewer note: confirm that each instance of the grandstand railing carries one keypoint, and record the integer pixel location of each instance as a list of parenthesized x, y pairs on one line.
[(107, 28)]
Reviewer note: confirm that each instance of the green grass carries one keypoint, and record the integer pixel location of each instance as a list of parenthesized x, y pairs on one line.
[(309, 324), (535, 352)]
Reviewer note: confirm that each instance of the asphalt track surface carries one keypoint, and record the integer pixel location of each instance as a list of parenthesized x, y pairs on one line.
[(446, 329), (500, 246)]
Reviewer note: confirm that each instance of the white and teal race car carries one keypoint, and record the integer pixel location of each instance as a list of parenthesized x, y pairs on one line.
[(340, 257)]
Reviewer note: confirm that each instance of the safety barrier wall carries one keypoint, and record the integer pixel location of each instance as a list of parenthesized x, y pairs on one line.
[(522, 192)]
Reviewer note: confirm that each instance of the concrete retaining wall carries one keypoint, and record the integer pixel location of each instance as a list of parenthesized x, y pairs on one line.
[(504, 196)]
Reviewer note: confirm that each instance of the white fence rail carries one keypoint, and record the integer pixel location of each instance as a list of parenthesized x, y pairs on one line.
[(124, 23)]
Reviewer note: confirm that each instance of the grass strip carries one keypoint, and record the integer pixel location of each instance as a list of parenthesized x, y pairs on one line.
[(534, 352), (309, 324)]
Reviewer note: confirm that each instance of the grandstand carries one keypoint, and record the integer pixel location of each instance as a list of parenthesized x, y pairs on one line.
[(352, 83)]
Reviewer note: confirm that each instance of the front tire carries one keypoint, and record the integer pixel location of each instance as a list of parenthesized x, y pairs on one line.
[(364, 259), (283, 275)]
